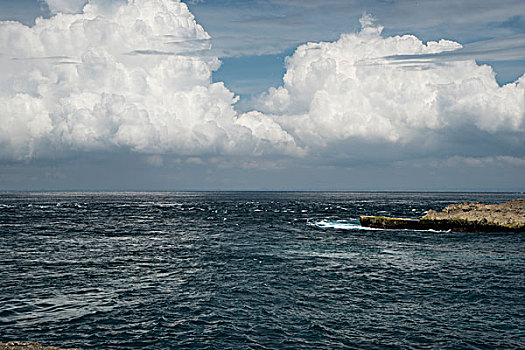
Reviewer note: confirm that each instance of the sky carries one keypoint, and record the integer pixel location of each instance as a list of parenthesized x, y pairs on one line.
[(262, 95)]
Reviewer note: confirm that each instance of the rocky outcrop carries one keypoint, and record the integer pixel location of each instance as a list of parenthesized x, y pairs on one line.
[(17, 345), (510, 215), (464, 217), (389, 223)]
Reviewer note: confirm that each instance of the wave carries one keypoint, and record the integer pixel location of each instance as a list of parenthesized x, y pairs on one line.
[(350, 224), (354, 224)]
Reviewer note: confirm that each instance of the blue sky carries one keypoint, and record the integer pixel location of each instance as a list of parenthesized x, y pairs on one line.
[(295, 119)]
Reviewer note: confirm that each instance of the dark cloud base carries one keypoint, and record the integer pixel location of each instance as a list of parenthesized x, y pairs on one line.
[(132, 172)]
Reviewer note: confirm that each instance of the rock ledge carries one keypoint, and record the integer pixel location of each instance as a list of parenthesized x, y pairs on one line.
[(464, 217)]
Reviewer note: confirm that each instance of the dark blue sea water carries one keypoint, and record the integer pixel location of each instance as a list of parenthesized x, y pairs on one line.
[(262, 270)]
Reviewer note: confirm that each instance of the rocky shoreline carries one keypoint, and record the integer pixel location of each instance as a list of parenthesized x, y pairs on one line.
[(18, 345), (464, 217)]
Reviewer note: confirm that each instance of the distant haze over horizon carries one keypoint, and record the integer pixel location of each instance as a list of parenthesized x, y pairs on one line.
[(262, 95)]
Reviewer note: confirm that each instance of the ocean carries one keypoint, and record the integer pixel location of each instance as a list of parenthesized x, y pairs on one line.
[(253, 270)]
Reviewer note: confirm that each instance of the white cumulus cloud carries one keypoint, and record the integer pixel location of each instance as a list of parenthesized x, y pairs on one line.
[(119, 75), (353, 90), (136, 76)]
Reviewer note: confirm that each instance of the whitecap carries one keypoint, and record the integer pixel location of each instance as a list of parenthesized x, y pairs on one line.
[(351, 224)]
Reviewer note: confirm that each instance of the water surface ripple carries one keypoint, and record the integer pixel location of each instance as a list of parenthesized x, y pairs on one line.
[(253, 270)]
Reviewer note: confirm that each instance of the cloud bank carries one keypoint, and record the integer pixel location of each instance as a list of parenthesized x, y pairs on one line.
[(136, 77), (353, 91), (132, 76)]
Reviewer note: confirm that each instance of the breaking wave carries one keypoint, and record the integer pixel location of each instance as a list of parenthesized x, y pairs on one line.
[(350, 224)]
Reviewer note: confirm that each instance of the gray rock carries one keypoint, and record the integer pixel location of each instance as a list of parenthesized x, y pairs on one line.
[(465, 217)]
